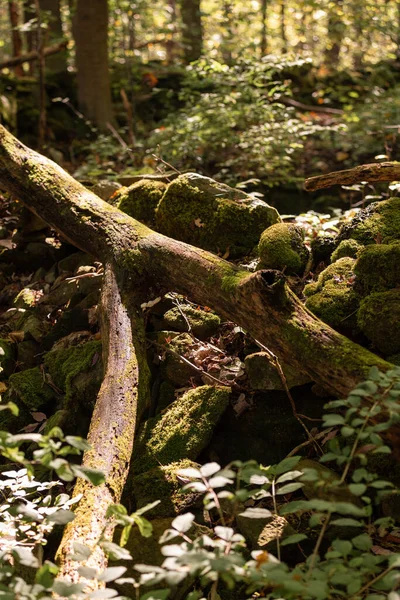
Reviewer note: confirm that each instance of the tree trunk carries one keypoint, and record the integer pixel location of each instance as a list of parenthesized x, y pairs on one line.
[(140, 263), (283, 27), (90, 29), (16, 39), (192, 30), (263, 43), (336, 31), (51, 15)]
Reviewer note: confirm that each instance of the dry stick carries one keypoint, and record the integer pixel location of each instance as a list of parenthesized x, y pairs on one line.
[(386, 171), (195, 367)]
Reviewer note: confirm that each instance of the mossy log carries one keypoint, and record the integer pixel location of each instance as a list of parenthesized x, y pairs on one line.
[(140, 261)]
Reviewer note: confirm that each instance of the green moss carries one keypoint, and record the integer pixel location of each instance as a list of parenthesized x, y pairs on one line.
[(379, 222), (183, 431), (166, 395), (141, 199), (203, 324), (282, 247), (263, 375), (213, 216), (173, 368), (161, 483), (31, 389), (347, 248), (379, 319), (378, 267), (7, 354), (67, 364), (332, 297)]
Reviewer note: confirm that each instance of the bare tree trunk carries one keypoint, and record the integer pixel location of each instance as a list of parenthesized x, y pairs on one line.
[(192, 30), (283, 27), (16, 39), (336, 30), (90, 29), (263, 44)]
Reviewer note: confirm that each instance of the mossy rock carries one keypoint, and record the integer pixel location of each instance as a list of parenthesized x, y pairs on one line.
[(31, 389), (263, 375), (378, 267), (25, 299), (183, 431), (321, 248), (212, 215), (75, 319), (7, 355), (77, 371), (161, 483), (72, 262), (174, 369), (378, 222), (32, 326), (379, 319), (141, 199), (347, 248), (203, 324), (72, 291), (332, 298), (106, 190), (166, 395), (282, 247), (28, 354)]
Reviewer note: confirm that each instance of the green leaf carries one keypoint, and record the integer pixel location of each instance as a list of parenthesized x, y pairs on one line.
[(111, 573), (210, 469), (332, 420), (183, 523), (145, 527), (358, 489), (82, 549), (61, 517), (256, 513), (146, 508), (342, 546), (286, 464), (189, 472), (87, 572), (362, 542), (115, 552), (94, 476), (293, 539), (103, 594), (78, 442), (347, 522), (289, 488), (347, 431), (156, 595), (289, 476), (45, 574), (62, 588)]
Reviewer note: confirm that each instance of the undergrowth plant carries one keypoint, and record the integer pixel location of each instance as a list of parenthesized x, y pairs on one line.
[(341, 532)]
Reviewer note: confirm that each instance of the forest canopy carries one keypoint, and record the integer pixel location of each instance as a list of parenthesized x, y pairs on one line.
[(199, 299)]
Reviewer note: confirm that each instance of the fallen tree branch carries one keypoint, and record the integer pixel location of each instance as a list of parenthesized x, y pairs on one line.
[(31, 56), (123, 394), (386, 171)]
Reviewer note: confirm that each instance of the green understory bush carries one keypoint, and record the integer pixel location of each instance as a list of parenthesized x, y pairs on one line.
[(351, 564)]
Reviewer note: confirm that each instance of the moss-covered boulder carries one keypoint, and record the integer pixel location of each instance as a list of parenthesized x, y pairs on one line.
[(377, 223), (202, 324), (32, 326), (183, 431), (161, 483), (173, 368), (28, 354), (106, 190), (30, 388), (212, 215), (379, 319), (322, 247), (7, 355), (77, 371), (333, 298), (378, 267), (282, 247), (264, 376), (141, 199), (349, 248), (71, 263)]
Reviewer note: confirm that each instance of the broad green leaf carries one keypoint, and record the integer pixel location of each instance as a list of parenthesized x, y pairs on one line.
[(293, 539), (111, 573), (256, 513), (183, 523)]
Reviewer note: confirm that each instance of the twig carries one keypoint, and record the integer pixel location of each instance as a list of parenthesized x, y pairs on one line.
[(318, 436), (164, 162), (195, 367)]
